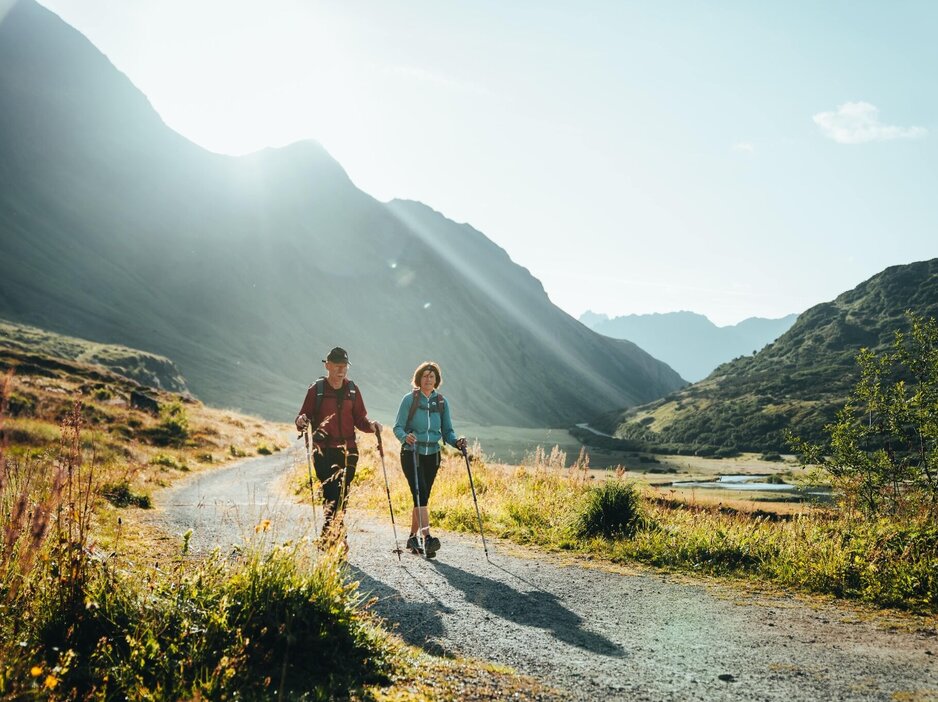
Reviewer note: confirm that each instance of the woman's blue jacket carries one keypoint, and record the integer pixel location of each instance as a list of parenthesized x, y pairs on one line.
[(431, 422)]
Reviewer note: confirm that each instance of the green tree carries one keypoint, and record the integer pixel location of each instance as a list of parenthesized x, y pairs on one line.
[(883, 448)]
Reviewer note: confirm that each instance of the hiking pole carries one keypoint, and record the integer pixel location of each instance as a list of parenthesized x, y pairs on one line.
[(308, 440), (465, 455), (420, 539), (387, 487)]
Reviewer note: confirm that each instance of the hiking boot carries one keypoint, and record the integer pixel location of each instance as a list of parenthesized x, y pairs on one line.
[(433, 545), (413, 545)]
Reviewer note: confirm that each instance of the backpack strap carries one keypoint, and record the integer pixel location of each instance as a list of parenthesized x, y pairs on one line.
[(320, 391), (438, 404), (414, 403)]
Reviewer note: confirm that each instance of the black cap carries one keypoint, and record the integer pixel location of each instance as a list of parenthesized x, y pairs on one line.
[(337, 355)]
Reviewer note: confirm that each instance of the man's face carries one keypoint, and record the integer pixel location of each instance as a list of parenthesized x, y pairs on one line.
[(336, 371)]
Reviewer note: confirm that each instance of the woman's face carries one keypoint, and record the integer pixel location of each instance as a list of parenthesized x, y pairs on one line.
[(427, 381)]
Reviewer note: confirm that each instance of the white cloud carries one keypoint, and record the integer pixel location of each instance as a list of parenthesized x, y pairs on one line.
[(858, 122), (745, 147)]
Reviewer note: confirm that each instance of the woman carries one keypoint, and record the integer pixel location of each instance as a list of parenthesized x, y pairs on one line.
[(423, 419)]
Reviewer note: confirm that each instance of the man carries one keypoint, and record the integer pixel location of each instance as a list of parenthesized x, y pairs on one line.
[(332, 410)]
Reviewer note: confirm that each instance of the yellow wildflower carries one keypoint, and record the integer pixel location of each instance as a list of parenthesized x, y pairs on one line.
[(35, 671), (51, 682)]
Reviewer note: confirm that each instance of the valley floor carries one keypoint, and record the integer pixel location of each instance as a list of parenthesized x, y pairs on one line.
[(583, 631)]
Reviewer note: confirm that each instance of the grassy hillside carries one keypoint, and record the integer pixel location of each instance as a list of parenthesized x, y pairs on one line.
[(136, 450), (798, 382), (148, 369)]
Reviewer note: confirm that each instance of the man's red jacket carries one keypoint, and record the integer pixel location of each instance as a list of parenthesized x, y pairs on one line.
[(339, 425)]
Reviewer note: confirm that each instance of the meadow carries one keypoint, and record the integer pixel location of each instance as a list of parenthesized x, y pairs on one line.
[(553, 503)]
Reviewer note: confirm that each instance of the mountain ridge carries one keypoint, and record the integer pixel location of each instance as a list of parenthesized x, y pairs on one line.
[(688, 341), (246, 270), (797, 382)]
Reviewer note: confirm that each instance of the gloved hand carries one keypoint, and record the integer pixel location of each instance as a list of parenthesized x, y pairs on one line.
[(301, 423), (320, 435), (461, 443)]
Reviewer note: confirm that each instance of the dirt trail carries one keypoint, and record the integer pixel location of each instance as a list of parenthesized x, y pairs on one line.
[(591, 633)]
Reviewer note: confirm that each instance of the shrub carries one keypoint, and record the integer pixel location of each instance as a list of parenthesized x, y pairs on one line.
[(264, 450), (164, 459), (173, 429), (609, 510), (21, 405), (120, 495), (770, 457), (882, 451)]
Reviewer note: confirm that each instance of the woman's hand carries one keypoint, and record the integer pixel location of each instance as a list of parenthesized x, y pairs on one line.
[(411, 439), (461, 443)]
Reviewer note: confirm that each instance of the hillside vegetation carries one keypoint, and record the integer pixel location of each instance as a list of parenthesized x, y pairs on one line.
[(796, 383), (148, 369)]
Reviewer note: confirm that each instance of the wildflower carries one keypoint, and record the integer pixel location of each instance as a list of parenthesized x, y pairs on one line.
[(51, 682), (263, 526), (35, 671)]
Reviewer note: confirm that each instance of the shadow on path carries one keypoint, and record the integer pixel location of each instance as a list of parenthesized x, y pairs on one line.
[(418, 623), (539, 608)]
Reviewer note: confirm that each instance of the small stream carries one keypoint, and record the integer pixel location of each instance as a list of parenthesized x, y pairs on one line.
[(757, 482)]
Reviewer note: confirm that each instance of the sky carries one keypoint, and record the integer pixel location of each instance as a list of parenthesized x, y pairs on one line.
[(735, 159)]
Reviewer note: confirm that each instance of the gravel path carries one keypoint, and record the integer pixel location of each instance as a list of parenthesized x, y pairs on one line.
[(636, 635)]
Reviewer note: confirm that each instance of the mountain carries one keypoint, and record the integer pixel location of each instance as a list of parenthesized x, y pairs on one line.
[(798, 382), (689, 342), (144, 368), (246, 270)]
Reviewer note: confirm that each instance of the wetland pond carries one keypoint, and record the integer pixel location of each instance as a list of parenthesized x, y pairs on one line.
[(759, 483)]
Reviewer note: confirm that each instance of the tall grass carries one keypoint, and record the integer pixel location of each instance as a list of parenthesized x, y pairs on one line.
[(79, 622), (885, 562)]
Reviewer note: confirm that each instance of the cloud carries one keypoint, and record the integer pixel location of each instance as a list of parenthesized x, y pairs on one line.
[(858, 122), (744, 146)]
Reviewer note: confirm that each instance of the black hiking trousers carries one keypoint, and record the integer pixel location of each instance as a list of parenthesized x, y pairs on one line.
[(427, 467), (335, 468)]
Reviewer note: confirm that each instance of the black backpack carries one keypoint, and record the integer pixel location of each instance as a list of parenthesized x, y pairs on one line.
[(436, 405)]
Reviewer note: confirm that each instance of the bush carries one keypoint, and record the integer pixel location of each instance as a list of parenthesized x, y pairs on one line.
[(611, 509), (264, 450), (163, 459), (120, 495), (173, 429), (770, 457), (882, 452)]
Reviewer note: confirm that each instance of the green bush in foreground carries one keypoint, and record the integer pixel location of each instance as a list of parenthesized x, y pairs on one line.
[(611, 509), (276, 624)]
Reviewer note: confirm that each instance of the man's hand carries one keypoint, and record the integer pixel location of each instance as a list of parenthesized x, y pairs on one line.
[(461, 443), (301, 423), (375, 427), (319, 436)]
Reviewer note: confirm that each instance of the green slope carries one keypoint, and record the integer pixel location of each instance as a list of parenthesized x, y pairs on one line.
[(798, 382), (145, 368)]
